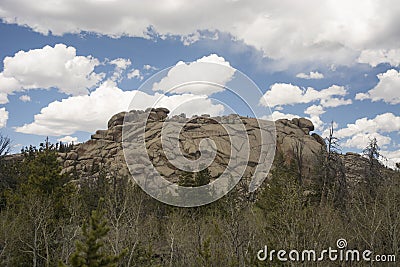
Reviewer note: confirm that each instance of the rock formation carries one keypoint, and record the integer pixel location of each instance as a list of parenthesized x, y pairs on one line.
[(105, 147)]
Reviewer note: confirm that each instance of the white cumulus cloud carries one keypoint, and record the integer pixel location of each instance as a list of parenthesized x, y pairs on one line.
[(358, 134), (208, 69), (121, 64), (25, 98), (68, 139), (361, 140), (135, 73), (335, 102), (48, 67), (290, 31), (387, 89), (96, 109), (3, 98), (3, 117), (149, 67), (312, 75), (383, 123), (312, 111), (393, 157), (288, 94), (374, 57), (277, 115)]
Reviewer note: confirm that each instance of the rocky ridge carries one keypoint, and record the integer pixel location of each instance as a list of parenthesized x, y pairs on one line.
[(105, 146)]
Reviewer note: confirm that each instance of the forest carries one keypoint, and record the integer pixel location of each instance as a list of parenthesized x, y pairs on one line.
[(53, 219)]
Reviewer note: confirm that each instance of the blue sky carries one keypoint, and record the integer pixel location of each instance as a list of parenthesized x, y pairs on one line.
[(66, 67)]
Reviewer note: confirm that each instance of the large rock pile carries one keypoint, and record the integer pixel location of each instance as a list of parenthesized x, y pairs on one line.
[(105, 147)]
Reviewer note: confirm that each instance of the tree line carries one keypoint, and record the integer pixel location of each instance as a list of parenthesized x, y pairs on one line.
[(53, 219)]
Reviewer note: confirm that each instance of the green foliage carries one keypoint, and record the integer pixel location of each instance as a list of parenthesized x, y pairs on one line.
[(204, 258), (40, 174), (46, 220), (190, 179), (144, 256), (93, 189), (43, 170), (88, 251)]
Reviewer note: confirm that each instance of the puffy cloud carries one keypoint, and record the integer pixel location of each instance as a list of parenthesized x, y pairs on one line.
[(7, 86), (197, 71), (277, 115), (374, 57), (288, 94), (191, 38), (3, 98), (358, 134), (68, 139), (393, 157), (383, 123), (282, 94), (3, 117), (334, 31), (335, 102), (120, 66), (311, 75), (313, 111), (135, 73), (48, 67), (25, 98), (149, 67), (361, 140), (387, 89), (96, 109), (121, 63)]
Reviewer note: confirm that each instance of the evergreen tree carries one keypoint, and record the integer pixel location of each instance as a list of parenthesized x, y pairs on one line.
[(89, 251), (186, 179), (191, 179), (202, 177)]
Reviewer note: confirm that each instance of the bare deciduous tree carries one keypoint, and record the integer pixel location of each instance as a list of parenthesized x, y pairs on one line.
[(5, 145)]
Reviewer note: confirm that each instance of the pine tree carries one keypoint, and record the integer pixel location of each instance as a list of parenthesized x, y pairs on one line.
[(191, 179), (202, 177), (89, 251)]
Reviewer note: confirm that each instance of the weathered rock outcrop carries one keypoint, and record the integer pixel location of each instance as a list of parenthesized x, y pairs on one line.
[(105, 147)]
